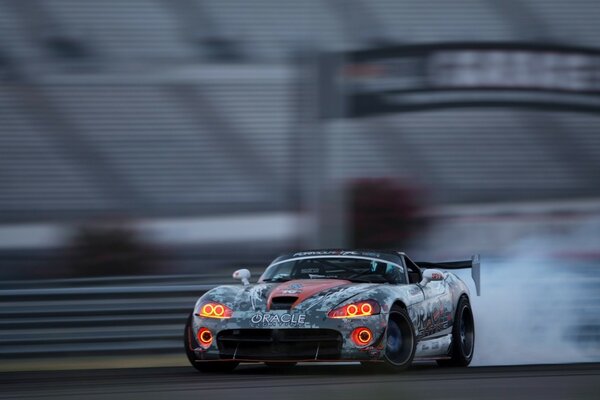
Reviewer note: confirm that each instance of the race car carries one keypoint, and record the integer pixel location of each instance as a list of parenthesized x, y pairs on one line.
[(375, 307)]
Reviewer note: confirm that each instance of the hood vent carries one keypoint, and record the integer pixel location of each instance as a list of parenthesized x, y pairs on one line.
[(283, 302)]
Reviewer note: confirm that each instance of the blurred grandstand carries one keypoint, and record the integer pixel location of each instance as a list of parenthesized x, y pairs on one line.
[(149, 111)]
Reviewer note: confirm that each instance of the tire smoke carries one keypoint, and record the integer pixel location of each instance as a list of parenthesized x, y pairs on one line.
[(537, 310)]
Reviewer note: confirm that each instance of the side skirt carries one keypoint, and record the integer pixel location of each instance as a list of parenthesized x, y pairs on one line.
[(434, 348)]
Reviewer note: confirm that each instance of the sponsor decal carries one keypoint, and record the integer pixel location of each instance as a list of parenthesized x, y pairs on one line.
[(294, 288), (336, 253), (310, 270), (431, 318), (272, 319), (316, 253)]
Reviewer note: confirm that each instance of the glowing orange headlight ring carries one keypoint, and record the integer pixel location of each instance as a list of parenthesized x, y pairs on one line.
[(352, 310), (362, 336), (366, 309), (215, 310), (359, 309), (204, 337)]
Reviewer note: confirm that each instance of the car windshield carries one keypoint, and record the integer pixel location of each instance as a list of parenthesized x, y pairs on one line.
[(354, 269)]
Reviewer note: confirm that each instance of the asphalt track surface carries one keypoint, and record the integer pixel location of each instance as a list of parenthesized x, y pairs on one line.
[(310, 382)]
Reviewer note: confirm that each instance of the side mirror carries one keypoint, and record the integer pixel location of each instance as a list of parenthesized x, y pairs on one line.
[(243, 275), (431, 275)]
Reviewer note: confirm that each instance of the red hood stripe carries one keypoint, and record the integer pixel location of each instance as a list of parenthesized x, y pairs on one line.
[(304, 288)]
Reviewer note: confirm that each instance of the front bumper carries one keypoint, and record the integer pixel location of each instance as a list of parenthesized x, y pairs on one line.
[(288, 337)]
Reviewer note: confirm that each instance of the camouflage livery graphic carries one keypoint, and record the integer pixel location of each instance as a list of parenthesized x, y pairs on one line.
[(330, 305)]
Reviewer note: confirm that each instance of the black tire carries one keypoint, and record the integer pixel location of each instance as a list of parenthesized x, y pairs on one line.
[(189, 342), (400, 343), (463, 336)]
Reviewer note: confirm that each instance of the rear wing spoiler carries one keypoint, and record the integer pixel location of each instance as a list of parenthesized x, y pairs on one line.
[(473, 264)]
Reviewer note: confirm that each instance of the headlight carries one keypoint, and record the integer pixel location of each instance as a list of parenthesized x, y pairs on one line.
[(359, 309), (214, 310)]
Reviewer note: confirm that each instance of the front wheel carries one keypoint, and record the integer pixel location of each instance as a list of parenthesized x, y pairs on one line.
[(189, 342), (400, 342), (463, 336)]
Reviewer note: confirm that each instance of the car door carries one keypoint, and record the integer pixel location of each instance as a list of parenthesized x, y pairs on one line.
[(433, 316)]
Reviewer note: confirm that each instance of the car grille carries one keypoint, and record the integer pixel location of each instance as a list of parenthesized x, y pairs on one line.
[(280, 344)]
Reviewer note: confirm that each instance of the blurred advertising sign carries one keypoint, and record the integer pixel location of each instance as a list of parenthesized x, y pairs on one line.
[(419, 77)]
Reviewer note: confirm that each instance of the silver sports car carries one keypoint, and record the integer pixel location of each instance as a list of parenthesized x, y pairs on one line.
[(376, 307)]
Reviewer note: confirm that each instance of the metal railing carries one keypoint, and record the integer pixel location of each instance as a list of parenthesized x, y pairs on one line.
[(97, 316), (142, 315)]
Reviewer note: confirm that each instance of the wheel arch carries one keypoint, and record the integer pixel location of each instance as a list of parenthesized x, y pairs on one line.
[(465, 295), (399, 303)]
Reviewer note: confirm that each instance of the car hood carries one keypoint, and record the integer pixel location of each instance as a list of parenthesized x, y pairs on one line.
[(299, 295)]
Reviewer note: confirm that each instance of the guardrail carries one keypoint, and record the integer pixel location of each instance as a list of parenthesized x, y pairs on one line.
[(135, 315), (58, 318)]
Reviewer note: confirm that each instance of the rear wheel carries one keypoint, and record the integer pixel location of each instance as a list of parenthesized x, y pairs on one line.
[(189, 342), (463, 336)]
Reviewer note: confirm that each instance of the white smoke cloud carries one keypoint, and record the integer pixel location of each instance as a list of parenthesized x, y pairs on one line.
[(533, 305)]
